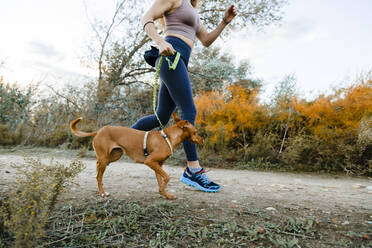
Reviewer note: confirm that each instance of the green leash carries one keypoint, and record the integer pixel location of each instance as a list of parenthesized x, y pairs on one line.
[(171, 66)]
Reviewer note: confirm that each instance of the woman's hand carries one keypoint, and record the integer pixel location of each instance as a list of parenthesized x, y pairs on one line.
[(229, 14), (166, 49)]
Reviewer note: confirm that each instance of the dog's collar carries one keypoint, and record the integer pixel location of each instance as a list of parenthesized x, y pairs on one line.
[(145, 151)]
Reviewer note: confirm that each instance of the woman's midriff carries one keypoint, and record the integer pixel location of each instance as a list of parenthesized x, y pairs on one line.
[(188, 41)]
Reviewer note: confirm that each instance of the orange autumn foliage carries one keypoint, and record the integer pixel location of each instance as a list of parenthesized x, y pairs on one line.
[(229, 115), (340, 112), (329, 133)]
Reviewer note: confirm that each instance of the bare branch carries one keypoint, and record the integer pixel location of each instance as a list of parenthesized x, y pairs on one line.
[(135, 82), (108, 33), (69, 100), (138, 71)]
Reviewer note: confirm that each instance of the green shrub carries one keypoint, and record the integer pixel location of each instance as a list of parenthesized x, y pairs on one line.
[(301, 153), (359, 161), (32, 198), (6, 136), (15, 104), (264, 145), (340, 152), (9, 137), (82, 152)]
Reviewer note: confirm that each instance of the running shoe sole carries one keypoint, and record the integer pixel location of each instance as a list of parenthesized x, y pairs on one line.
[(196, 185)]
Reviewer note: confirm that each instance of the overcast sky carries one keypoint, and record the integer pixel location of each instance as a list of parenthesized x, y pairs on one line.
[(321, 42)]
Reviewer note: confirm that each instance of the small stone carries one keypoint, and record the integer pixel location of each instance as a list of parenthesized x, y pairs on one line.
[(345, 223), (358, 186), (271, 209), (369, 222), (260, 230), (369, 188)]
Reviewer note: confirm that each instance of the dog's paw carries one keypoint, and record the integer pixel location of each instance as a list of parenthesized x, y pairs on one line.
[(105, 194), (171, 197)]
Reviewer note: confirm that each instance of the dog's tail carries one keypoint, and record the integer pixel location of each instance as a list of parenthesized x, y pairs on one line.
[(75, 131)]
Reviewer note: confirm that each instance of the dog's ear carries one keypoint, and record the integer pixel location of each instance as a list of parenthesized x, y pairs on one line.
[(182, 124), (175, 117)]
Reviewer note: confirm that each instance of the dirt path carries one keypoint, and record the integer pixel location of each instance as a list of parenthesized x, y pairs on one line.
[(336, 194)]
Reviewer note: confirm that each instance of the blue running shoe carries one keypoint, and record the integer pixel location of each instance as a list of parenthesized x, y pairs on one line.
[(199, 180)]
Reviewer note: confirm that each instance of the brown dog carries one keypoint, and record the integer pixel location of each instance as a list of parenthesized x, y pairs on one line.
[(110, 142)]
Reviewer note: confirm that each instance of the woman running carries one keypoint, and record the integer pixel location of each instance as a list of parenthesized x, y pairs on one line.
[(182, 26)]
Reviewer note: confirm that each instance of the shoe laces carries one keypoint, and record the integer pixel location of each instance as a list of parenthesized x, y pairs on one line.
[(203, 175)]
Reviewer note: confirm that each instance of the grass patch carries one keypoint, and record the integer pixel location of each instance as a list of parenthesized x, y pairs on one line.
[(162, 223)]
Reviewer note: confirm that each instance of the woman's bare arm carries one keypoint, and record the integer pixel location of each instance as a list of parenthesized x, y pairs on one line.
[(208, 38), (155, 12)]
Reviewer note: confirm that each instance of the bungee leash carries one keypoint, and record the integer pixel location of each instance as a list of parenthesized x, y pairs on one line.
[(171, 66)]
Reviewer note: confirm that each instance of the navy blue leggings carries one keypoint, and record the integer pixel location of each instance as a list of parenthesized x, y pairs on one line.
[(175, 91)]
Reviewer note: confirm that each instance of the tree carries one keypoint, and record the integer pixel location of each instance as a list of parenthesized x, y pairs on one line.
[(120, 44), (15, 105), (284, 92), (211, 70), (258, 13), (282, 103), (115, 50)]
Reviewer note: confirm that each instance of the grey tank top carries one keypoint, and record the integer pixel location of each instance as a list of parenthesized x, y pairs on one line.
[(184, 21)]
